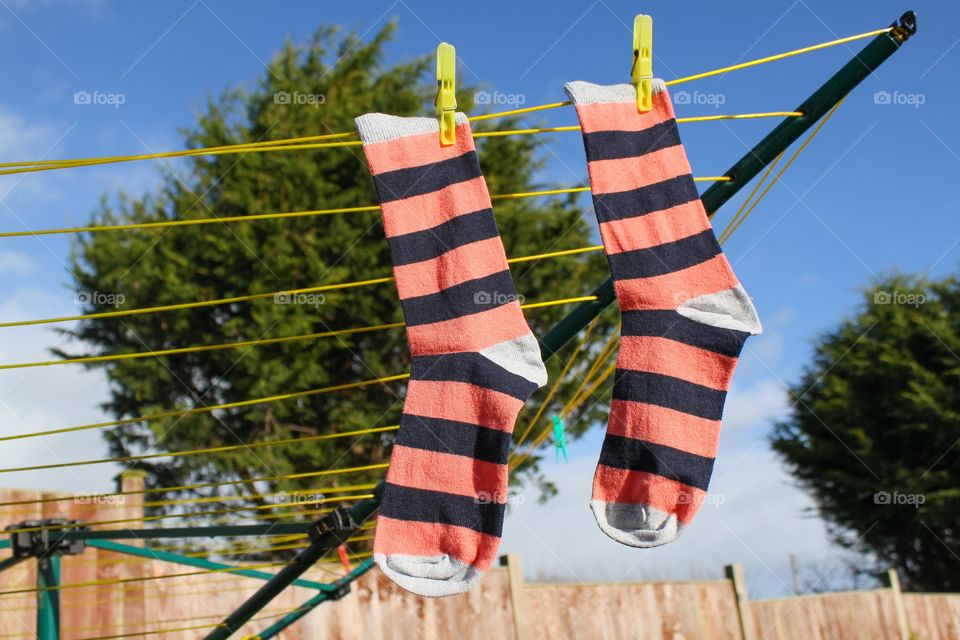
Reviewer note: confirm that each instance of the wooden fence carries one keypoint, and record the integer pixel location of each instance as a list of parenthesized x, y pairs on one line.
[(853, 615), (128, 597), (125, 596)]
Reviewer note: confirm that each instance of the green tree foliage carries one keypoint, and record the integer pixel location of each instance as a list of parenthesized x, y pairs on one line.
[(874, 429), (329, 81)]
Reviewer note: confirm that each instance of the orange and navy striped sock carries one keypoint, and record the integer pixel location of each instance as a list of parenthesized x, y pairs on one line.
[(474, 360), (685, 317)]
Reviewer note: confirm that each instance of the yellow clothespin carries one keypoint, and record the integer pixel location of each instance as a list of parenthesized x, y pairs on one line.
[(642, 71), (446, 101)]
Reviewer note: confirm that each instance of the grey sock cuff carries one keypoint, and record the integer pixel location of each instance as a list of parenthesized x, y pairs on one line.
[(380, 127), (581, 92)]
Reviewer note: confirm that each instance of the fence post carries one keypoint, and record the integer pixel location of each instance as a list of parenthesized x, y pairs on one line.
[(130, 486), (518, 597), (734, 573), (131, 605), (900, 610)]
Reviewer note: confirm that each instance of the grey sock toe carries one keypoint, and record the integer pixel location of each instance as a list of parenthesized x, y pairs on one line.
[(636, 525), (433, 576)]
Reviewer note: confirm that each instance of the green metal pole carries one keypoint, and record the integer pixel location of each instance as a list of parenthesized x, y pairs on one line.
[(311, 604), (741, 173), (326, 539), (200, 563), (48, 598)]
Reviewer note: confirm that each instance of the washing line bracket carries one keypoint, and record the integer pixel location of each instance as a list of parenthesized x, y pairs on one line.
[(342, 590), (905, 27), (45, 538), (338, 523)]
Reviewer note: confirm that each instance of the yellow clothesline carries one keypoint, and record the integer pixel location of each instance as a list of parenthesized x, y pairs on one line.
[(247, 148), (289, 294), (706, 74), (93, 497), (318, 141), (608, 350), (163, 224), (206, 451), (258, 401), (267, 614), (108, 581), (212, 512)]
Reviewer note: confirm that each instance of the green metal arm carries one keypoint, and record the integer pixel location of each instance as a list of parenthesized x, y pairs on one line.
[(200, 563), (189, 532), (312, 603)]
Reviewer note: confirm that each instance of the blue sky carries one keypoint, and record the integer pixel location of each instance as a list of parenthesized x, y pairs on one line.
[(873, 193)]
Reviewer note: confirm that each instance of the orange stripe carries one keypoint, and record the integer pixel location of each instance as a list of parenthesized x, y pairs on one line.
[(623, 116), (416, 150), (660, 425), (435, 471), (659, 227), (671, 358), (417, 213), (462, 401), (626, 174), (468, 333), (467, 262), (432, 539), (671, 290), (638, 487)]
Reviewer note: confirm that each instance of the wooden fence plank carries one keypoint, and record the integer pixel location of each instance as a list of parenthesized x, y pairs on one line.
[(518, 596), (901, 613), (734, 573)]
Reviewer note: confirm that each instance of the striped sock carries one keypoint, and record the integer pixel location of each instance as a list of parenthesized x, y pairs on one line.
[(474, 360), (685, 317)]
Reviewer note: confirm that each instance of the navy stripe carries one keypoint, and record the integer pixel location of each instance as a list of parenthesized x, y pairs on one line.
[(639, 202), (472, 367), (435, 241), (614, 145), (404, 503), (672, 325), (664, 461), (454, 437), (464, 299), (664, 258), (416, 181), (669, 392)]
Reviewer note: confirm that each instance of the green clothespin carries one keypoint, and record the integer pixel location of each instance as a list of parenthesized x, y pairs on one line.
[(559, 439)]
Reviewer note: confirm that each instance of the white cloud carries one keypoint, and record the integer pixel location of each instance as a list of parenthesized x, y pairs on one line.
[(20, 138), (43, 398), (15, 263), (66, 197), (767, 347), (781, 317), (23, 140), (756, 405)]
